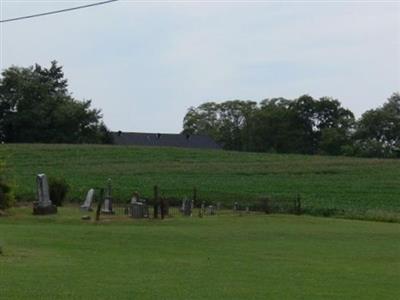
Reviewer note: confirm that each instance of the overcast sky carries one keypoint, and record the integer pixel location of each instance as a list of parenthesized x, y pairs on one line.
[(145, 64)]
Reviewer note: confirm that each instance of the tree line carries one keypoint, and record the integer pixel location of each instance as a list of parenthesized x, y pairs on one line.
[(36, 107), (303, 125)]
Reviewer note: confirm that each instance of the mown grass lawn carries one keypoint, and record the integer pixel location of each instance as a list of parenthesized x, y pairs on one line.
[(218, 257), (322, 181)]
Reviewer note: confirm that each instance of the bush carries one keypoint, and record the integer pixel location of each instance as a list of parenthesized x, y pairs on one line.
[(58, 189), (6, 195)]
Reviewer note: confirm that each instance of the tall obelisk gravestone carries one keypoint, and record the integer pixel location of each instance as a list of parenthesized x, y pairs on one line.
[(43, 206)]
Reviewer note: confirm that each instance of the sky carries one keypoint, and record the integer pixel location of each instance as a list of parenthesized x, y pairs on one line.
[(144, 63)]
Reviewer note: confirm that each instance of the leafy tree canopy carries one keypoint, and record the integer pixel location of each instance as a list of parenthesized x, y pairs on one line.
[(378, 130), (302, 125), (35, 106)]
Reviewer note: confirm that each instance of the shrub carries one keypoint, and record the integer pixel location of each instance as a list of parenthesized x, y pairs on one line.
[(58, 189), (6, 195)]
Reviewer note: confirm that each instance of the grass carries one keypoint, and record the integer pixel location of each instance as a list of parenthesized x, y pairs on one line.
[(358, 186), (220, 257)]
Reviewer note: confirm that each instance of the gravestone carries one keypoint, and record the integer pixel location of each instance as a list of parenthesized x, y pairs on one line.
[(44, 205), (87, 205), (138, 210), (210, 210), (235, 206), (107, 208), (187, 207), (135, 198), (182, 206), (202, 208), (146, 209)]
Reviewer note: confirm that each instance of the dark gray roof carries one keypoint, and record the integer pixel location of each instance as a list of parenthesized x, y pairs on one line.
[(164, 140)]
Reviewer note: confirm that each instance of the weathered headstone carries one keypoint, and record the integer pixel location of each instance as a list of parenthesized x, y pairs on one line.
[(146, 209), (107, 208), (135, 198), (235, 206), (187, 207), (210, 210), (138, 210), (87, 205), (183, 205), (202, 209), (44, 205)]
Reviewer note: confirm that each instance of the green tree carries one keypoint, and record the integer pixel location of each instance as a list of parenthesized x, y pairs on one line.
[(275, 128), (303, 125), (326, 125), (226, 122), (378, 130), (35, 106), (202, 120)]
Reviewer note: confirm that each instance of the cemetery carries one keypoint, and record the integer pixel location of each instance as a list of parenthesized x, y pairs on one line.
[(134, 233), (139, 208)]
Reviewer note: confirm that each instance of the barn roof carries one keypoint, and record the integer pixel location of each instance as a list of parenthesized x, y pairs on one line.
[(164, 140)]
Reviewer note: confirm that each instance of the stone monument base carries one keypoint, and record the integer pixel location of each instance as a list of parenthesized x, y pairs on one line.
[(44, 210), (138, 210)]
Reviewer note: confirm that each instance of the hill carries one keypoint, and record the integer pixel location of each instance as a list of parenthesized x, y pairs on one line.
[(323, 182)]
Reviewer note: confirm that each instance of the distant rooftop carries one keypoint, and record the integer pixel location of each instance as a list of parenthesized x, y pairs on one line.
[(164, 140)]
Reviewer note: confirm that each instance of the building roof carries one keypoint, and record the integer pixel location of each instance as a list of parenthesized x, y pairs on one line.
[(164, 140)]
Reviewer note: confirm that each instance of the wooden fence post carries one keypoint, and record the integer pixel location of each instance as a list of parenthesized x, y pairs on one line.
[(162, 207), (155, 213), (100, 202), (298, 206)]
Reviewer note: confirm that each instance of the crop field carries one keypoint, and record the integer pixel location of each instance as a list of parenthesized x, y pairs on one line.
[(352, 184), (216, 257)]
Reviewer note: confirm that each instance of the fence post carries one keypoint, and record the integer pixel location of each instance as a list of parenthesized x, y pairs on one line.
[(266, 205), (162, 207), (99, 204), (155, 214), (298, 207)]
